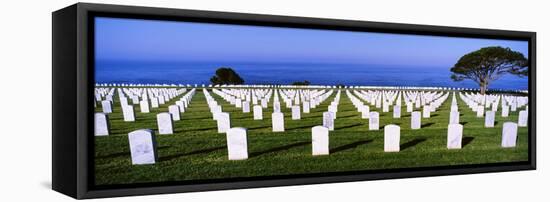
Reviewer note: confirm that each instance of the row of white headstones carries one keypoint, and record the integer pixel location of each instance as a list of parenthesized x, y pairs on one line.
[(241, 98), (144, 97)]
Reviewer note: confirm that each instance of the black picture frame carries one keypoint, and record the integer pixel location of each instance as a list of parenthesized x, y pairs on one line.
[(73, 83)]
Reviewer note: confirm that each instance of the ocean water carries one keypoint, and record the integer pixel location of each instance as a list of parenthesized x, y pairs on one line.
[(317, 74)]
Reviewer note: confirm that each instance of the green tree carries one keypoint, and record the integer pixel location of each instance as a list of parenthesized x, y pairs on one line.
[(226, 75), (301, 83), (489, 64)]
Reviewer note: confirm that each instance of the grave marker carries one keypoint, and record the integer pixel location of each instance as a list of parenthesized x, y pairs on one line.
[(258, 114), (246, 107), (237, 144), (175, 112), (278, 122), (454, 136), (101, 122), (164, 122), (223, 122), (374, 121), (416, 121), (489, 119), (295, 112), (319, 140), (454, 117), (328, 120), (128, 113), (143, 148), (106, 106), (397, 111), (522, 118), (509, 134), (144, 106), (391, 138)]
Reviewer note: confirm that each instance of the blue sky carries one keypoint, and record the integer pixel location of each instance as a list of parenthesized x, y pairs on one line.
[(160, 41)]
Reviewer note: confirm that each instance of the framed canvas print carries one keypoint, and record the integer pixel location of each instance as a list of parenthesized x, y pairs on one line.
[(155, 100)]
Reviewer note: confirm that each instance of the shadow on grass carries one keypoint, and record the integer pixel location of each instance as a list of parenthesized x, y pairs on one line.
[(186, 118), (114, 155), (258, 127), (466, 141), (277, 149), (123, 154), (398, 124), (197, 129), (348, 126), (412, 143), (201, 151), (427, 125), (314, 116), (463, 123), (349, 146), (302, 127), (347, 116)]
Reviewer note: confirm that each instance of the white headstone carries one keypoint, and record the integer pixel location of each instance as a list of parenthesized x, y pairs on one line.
[(385, 107), (454, 117), (397, 111), (505, 111), (128, 113), (175, 112), (144, 106), (123, 101), (305, 107), (392, 135), (181, 105), (295, 112), (142, 147), (454, 108), (278, 122), (480, 110), (416, 120), (161, 100), (223, 121), (328, 120), (106, 106), (237, 144), (374, 121), (454, 136), (522, 118), (164, 122), (489, 119), (101, 124), (263, 103), (154, 103), (320, 140), (258, 114), (238, 103), (246, 107), (365, 112), (409, 107), (509, 134), (426, 110), (276, 107), (333, 109)]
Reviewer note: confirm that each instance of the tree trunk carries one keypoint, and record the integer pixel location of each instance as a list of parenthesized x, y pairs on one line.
[(483, 87)]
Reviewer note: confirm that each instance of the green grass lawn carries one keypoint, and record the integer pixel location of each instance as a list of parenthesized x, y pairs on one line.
[(197, 151)]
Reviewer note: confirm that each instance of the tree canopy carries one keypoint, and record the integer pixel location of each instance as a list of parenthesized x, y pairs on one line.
[(226, 75), (489, 64), (301, 83)]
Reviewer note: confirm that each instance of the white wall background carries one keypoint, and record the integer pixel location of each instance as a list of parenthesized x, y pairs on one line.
[(25, 99)]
